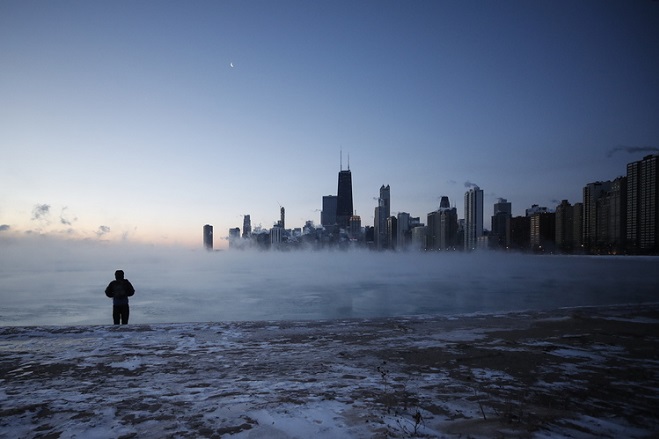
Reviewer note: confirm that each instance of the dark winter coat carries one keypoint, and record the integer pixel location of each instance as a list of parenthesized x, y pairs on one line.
[(120, 290)]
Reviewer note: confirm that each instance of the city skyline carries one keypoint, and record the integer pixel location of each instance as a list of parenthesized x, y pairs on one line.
[(143, 122), (616, 216)]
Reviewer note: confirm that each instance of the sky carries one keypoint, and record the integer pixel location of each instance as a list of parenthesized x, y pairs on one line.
[(143, 121)]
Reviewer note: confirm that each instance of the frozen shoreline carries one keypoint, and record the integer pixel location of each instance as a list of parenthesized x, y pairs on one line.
[(585, 372)]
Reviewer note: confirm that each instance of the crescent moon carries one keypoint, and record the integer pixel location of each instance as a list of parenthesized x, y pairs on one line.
[(231, 65)]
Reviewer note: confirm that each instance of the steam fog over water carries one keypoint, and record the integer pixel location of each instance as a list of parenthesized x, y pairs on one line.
[(63, 284)]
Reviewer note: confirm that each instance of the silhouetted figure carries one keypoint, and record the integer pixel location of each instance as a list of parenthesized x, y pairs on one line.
[(120, 290)]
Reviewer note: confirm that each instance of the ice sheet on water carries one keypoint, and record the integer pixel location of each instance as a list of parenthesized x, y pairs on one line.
[(302, 379)]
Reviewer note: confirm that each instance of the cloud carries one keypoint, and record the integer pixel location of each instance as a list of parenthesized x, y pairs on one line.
[(469, 184), (4, 227), (40, 212), (102, 230), (631, 149), (64, 218)]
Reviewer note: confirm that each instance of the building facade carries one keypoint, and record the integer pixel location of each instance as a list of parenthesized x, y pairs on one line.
[(344, 209), (612, 218), (355, 229), (234, 237), (328, 214), (473, 217), (543, 232), (500, 232), (382, 214), (642, 203), (592, 193), (208, 237), (442, 229), (247, 227), (404, 231), (520, 233), (565, 227)]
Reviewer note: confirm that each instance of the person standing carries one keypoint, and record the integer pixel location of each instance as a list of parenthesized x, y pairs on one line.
[(120, 290)]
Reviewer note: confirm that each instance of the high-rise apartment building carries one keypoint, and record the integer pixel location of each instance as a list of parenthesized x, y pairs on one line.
[(442, 229), (500, 233), (565, 227), (473, 217), (612, 218), (520, 233), (355, 229), (577, 226), (208, 237), (592, 192), (543, 231), (642, 205), (536, 209)]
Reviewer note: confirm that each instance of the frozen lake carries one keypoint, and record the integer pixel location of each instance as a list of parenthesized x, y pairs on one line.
[(64, 284)]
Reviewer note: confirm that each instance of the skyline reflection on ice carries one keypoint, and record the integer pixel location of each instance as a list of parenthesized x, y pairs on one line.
[(63, 283)]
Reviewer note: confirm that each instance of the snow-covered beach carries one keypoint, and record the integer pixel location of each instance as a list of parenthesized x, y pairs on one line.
[(580, 372)]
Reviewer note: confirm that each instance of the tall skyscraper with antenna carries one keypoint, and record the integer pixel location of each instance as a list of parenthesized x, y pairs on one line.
[(344, 209)]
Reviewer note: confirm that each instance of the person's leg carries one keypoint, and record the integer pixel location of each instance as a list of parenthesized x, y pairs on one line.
[(116, 314), (124, 315)]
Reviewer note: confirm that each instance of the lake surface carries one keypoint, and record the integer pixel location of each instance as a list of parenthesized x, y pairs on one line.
[(64, 284)]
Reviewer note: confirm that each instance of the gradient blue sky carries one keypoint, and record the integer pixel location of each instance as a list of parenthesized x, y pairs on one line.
[(124, 120)]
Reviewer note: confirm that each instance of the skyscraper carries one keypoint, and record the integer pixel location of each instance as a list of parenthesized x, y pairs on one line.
[(403, 233), (355, 231), (473, 217), (328, 214), (565, 227), (592, 193), (503, 206), (577, 224), (643, 205), (382, 213), (500, 233), (234, 237), (208, 237), (444, 203), (247, 227), (543, 231), (442, 227), (612, 218), (344, 199)]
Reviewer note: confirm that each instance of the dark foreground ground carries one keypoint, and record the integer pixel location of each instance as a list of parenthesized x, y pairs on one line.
[(582, 373)]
